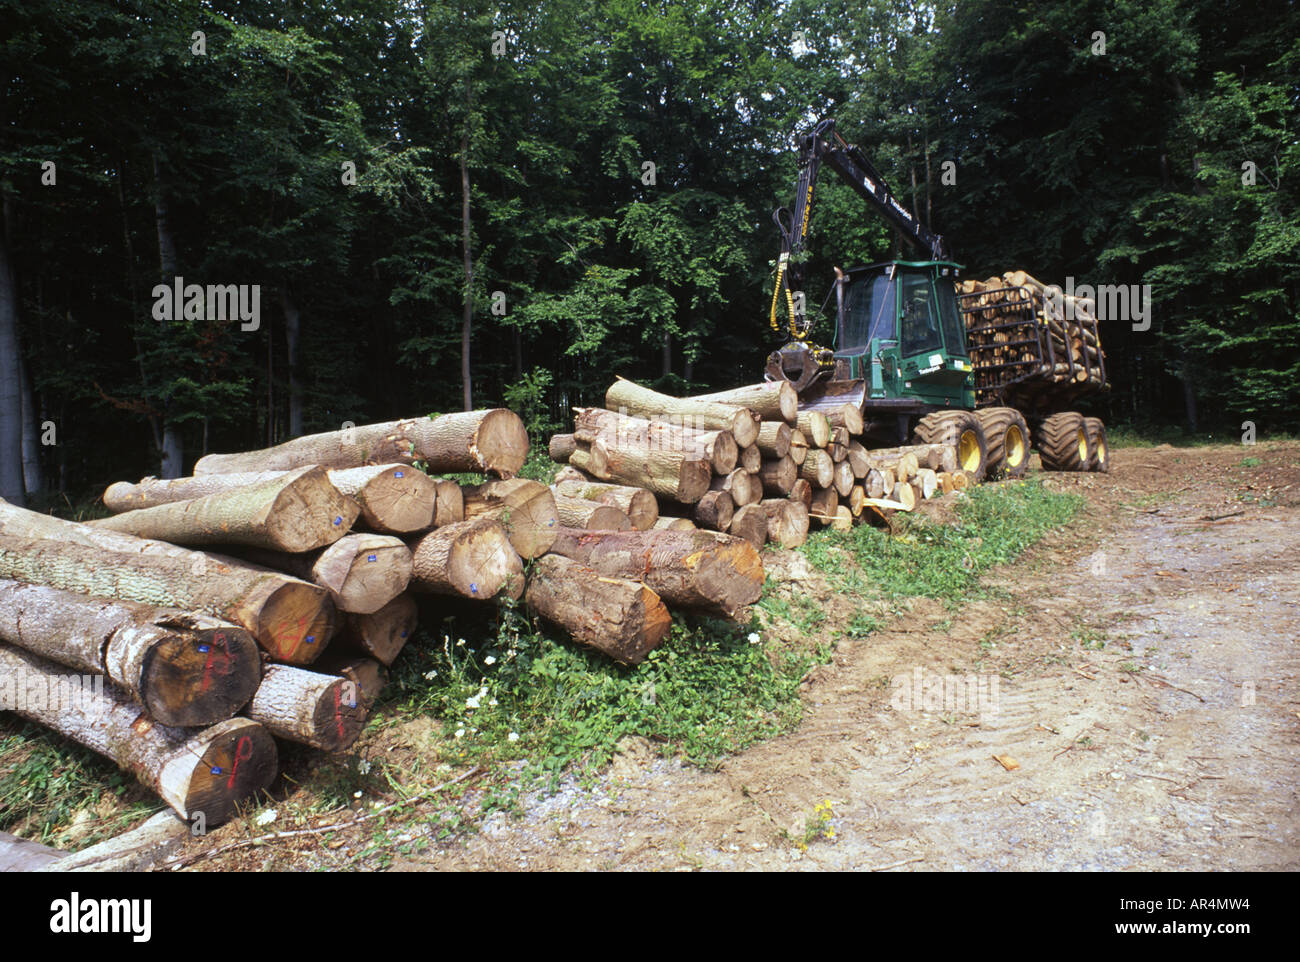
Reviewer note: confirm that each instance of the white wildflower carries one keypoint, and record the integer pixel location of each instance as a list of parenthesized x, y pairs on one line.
[(356, 794), (754, 638), (430, 675), (513, 737), (266, 817), (489, 660), (363, 766), (493, 703), (460, 733)]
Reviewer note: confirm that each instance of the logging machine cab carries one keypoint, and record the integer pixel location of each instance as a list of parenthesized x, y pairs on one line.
[(899, 329), (900, 342)]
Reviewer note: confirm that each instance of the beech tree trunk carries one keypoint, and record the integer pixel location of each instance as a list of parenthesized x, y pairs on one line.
[(186, 668), (673, 474), (843, 478), (774, 439), (801, 492), (695, 569), (323, 711), (778, 476), (525, 509), (787, 521), (449, 506), (369, 676), (472, 559), (667, 523), (824, 503), (815, 427), (743, 487), (638, 504), (715, 510), (381, 634), (750, 522), (300, 511), (770, 400), (579, 513), (492, 441), (618, 616), (818, 468), (362, 572), (206, 772), (625, 397), (635, 434), (798, 447), (291, 619), (560, 447), (394, 498)]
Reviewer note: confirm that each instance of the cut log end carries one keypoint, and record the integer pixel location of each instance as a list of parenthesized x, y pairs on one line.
[(218, 768), (197, 676)]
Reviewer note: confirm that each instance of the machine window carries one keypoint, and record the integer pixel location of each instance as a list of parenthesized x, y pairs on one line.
[(920, 321), (868, 313)]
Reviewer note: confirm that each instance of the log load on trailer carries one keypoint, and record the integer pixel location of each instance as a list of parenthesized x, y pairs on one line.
[(987, 371)]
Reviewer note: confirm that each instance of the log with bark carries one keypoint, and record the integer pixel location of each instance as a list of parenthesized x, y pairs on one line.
[(798, 447), (818, 468), (472, 559), (838, 446), (937, 457), (713, 511), (843, 519), (561, 447), (381, 634), (744, 488), (310, 707), (905, 495), (644, 436), (299, 511), (290, 618), (927, 482), (669, 523), (580, 513), (187, 669), (843, 478), (638, 504), (591, 459), (787, 521), (362, 572), (694, 569), (774, 439), (368, 675), (673, 474), (486, 442), (824, 503), (801, 492), (526, 509), (770, 400), (751, 459), (815, 427), (750, 522), (204, 773), (859, 460), (627, 397), (778, 476), (394, 498), (847, 416), (618, 616)]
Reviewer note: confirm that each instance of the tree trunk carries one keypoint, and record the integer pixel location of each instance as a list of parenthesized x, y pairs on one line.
[(798, 452), (642, 436), (492, 441), (617, 616), (472, 559), (818, 468), (774, 439), (300, 511), (362, 572), (33, 476), (580, 513), (11, 396), (843, 478), (290, 618), (743, 487), (673, 474), (206, 773), (695, 569), (292, 329), (787, 522), (369, 676), (778, 476), (801, 491), (467, 319), (816, 427), (668, 523), (323, 711), (526, 509), (173, 453), (560, 447), (770, 400), (638, 504), (824, 503), (625, 397), (450, 505), (751, 459), (750, 522), (381, 634), (715, 510), (186, 668)]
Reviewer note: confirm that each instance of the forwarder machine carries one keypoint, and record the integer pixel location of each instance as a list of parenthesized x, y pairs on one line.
[(925, 362)]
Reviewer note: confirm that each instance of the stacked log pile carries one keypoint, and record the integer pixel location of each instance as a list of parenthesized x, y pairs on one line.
[(1021, 328), (753, 462), (266, 597)]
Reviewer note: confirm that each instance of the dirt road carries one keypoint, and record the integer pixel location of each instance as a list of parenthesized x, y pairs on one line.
[(1142, 683)]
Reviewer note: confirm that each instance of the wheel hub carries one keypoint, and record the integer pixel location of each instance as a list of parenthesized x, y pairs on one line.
[(1014, 446), (968, 451)]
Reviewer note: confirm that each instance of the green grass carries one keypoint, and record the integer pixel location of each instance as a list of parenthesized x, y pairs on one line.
[(707, 691), (994, 525), (46, 780), (1149, 436)]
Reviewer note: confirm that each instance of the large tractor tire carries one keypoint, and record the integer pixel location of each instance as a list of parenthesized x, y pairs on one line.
[(1100, 446), (1007, 436), (1063, 443), (962, 430)]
